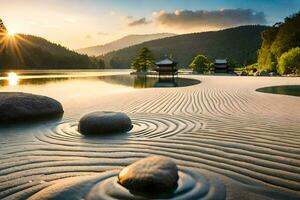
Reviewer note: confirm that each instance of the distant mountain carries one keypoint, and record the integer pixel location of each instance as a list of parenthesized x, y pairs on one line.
[(122, 43), (31, 52), (239, 45)]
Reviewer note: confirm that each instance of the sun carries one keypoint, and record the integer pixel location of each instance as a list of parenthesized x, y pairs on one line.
[(12, 78), (11, 33)]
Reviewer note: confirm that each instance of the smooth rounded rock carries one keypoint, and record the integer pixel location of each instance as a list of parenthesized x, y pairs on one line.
[(263, 73), (18, 107), (103, 122), (273, 74), (152, 175), (244, 73)]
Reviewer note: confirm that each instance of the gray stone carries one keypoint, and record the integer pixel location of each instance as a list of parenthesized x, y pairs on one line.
[(102, 122), (273, 74), (18, 106), (263, 73), (244, 73), (155, 174)]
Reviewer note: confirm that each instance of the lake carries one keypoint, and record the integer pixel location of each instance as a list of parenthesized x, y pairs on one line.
[(293, 90)]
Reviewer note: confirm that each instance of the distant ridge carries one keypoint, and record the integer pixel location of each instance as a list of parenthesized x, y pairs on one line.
[(121, 43), (239, 44)]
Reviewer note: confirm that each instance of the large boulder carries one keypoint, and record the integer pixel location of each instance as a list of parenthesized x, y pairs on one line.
[(102, 122), (152, 175), (18, 107)]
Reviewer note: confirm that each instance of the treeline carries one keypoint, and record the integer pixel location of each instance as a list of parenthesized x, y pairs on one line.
[(280, 51), (30, 52), (239, 45), (144, 62)]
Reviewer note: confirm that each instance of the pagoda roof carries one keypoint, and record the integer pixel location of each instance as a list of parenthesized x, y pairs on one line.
[(220, 61), (166, 61)]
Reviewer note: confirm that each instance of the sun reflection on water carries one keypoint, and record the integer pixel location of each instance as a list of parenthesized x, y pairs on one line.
[(12, 78)]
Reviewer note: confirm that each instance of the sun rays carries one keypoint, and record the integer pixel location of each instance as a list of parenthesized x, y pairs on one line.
[(11, 33), (11, 42)]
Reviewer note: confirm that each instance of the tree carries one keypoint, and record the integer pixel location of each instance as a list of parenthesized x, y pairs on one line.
[(265, 56), (135, 64), (201, 64), (144, 61), (277, 40), (289, 62), (231, 64), (2, 27), (97, 62)]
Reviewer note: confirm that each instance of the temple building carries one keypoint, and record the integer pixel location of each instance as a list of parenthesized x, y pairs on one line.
[(221, 66), (166, 67)]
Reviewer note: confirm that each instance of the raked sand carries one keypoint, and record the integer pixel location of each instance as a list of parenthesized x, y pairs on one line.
[(229, 141)]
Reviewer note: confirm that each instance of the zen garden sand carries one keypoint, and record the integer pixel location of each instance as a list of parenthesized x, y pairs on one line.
[(228, 141)]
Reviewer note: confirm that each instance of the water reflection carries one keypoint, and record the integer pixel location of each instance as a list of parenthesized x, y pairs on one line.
[(148, 82), (13, 79), (293, 90), (124, 80)]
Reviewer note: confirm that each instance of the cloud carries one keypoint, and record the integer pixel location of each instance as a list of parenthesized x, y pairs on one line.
[(223, 18), (139, 22)]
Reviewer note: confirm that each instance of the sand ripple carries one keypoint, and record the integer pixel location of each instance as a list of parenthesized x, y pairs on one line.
[(192, 185), (144, 126)]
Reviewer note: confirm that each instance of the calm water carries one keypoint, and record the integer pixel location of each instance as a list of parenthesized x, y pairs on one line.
[(122, 80), (293, 90)]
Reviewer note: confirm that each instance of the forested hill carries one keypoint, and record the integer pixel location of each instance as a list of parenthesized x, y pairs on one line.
[(31, 52), (238, 44)]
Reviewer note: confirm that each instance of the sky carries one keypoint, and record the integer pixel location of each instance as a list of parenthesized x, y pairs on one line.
[(82, 23)]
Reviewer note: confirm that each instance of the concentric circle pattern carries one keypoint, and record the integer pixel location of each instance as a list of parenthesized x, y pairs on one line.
[(192, 185), (228, 140), (144, 126)]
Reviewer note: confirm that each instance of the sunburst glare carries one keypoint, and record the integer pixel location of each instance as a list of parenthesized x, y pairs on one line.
[(12, 78), (11, 33), (12, 41)]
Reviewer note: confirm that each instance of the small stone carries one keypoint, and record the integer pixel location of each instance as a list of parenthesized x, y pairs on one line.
[(244, 73), (263, 73), (19, 107), (103, 122), (273, 74), (152, 175)]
